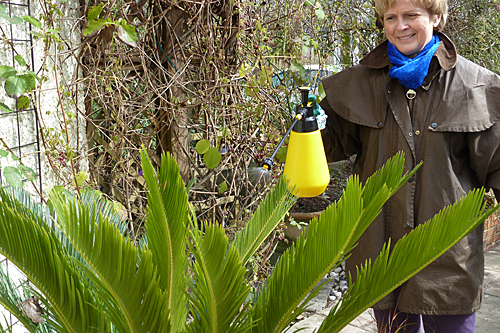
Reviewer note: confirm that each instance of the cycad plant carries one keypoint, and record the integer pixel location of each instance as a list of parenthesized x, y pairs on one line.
[(186, 276)]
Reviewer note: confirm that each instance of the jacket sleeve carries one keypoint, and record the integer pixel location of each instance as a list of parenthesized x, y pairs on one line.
[(340, 137), (484, 150)]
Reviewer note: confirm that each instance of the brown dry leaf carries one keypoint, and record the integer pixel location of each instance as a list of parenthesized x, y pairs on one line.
[(32, 309), (106, 33)]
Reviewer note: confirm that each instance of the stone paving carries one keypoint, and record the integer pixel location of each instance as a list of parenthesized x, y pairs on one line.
[(488, 317)]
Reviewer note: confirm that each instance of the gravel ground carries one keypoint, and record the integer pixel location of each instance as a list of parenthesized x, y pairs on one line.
[(339, 283)]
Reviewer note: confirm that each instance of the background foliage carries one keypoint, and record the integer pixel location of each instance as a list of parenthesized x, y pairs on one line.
[(213, 82)]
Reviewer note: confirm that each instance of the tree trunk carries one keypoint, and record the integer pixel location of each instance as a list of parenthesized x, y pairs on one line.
[(172, 117)]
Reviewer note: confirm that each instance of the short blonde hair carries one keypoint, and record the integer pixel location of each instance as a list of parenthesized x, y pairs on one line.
[(434, 7)]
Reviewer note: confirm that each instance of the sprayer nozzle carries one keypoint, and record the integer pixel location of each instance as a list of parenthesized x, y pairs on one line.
[(267, 163)]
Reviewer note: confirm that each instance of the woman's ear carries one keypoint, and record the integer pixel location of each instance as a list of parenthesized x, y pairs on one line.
[(437, 20)]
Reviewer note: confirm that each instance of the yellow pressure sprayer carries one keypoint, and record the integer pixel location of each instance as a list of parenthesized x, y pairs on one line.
[(305, 164)]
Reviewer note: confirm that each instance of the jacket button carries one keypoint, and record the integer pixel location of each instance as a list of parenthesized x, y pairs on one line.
[(424, 83), (380, 124), (410, 179), (434, 125), (408, 226), (410, 134), (388, 91), (417, 132)]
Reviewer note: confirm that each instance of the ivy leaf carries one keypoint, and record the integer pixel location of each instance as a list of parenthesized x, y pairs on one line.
[(20, 60), (92, 26), (94, 12), (7, 71), (320, 14), (15, 86), (226, 134), (281, 154), (23, 103), (305, 50), (314, 43), (33, 21), (16, 20), (14, 157), (222, 187), (27, 172), (33, 74), (127, 35), (321, 92), (29, 80), (296, 67), (250, 91), (4, 153), (70, 153), (266, 75), (242, 72), (309, 3), (81, 177), (212, 158), (5, 108), (202, 146), (13, 176)]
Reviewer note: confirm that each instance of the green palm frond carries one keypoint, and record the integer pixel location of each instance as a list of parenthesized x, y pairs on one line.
[(35, 249), (93, 199), (265, 219), (131, 288), (5, 330), (410, 255), (384, 183), (218, 289), (90, 197), (330, 237), (166, 229), (24, 203), (10, 297)]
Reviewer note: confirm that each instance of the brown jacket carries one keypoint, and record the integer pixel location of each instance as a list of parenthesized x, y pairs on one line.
[(453, 128)]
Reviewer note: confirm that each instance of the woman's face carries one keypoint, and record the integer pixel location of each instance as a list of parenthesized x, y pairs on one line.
[(409, 27)]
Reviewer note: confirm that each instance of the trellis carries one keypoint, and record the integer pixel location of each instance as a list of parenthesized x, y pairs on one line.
[(19, 130)]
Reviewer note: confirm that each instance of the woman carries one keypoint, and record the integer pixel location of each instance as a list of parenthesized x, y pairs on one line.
[(413, 93)]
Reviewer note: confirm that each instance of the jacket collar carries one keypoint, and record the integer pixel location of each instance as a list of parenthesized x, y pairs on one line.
[(446, 55)]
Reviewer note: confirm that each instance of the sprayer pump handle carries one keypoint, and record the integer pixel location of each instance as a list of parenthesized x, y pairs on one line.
[(304, 92)]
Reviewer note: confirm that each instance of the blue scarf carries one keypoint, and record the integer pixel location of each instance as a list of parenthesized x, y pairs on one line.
[(411, 71)]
